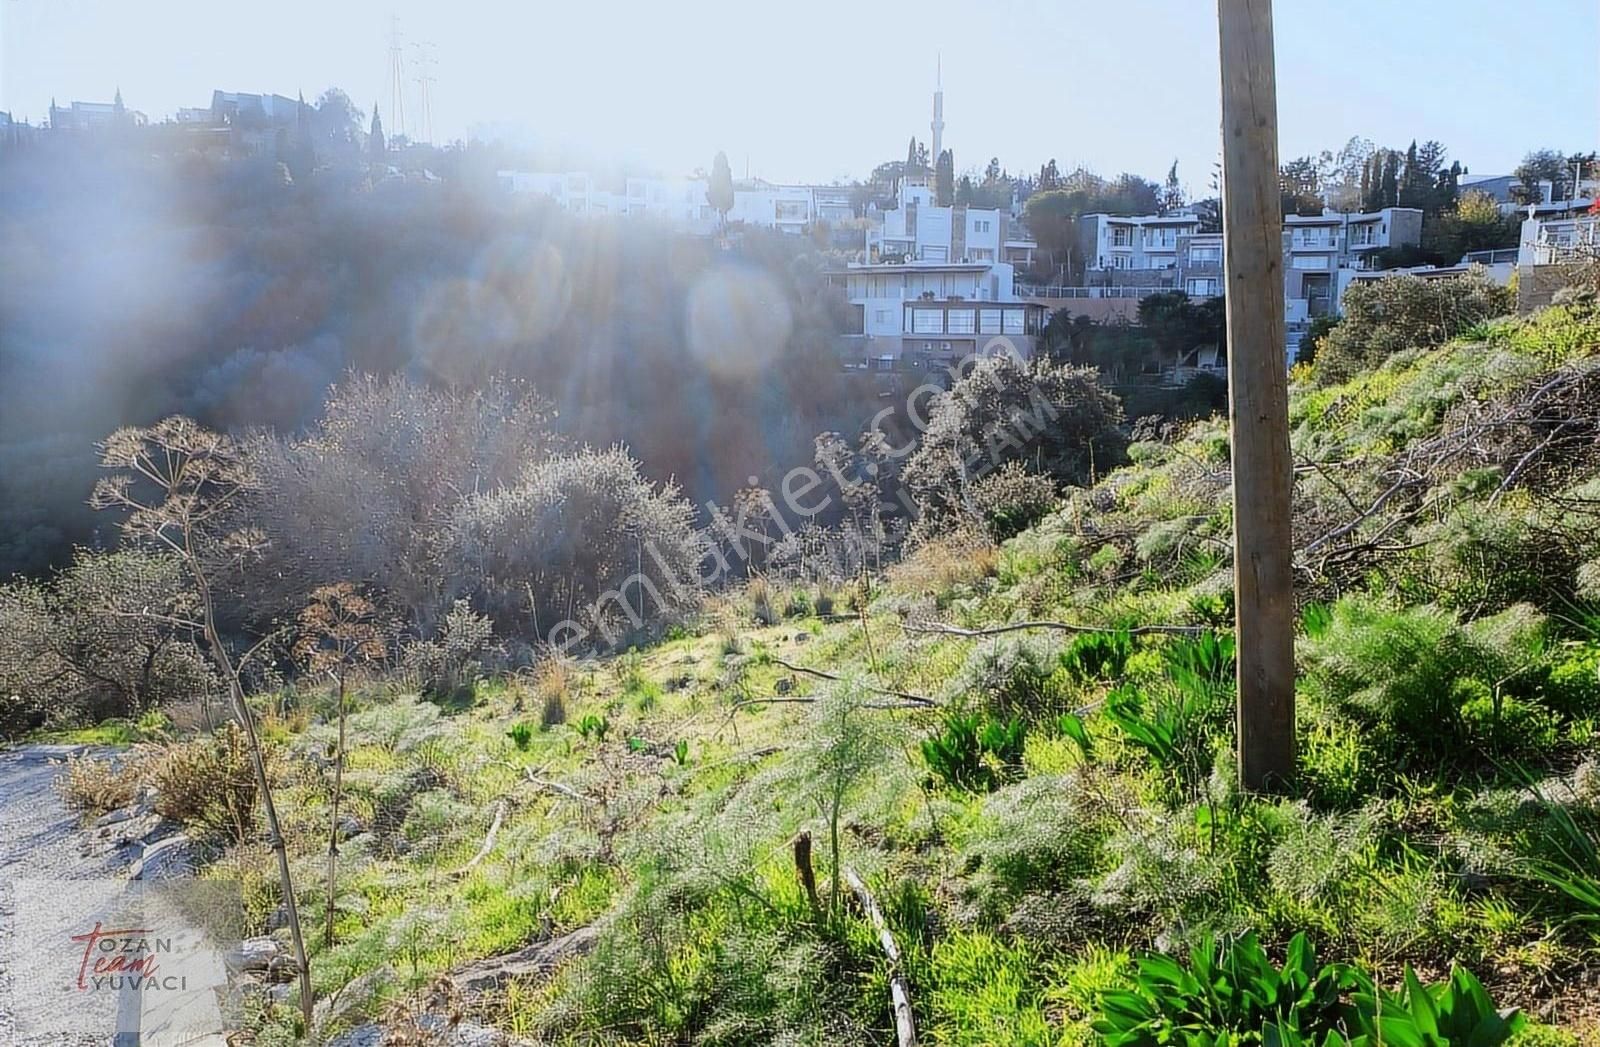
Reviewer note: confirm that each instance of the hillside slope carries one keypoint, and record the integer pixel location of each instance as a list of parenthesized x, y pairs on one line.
[(1030, 806)]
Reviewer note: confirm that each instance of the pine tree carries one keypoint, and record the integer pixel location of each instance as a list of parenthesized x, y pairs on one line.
[(1172, 192), (1049, 176), (944, 179), (1450, 187), (375, 141), (305, 154), (719, 193), (1390, 189)]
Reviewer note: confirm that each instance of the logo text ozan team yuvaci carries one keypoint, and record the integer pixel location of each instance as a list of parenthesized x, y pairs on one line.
[(125, 958)]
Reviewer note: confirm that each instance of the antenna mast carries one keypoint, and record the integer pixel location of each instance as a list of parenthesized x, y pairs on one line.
[(423, 60), (397, 77)]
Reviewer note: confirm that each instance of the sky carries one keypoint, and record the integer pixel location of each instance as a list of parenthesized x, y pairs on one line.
[(826, 90)]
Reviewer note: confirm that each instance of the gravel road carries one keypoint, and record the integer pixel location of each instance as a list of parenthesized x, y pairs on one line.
[(39, 837)]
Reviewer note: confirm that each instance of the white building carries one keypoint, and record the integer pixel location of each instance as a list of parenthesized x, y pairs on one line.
[(1547, 247), (1316, 247), (786, 208), (681, 202), (94, 116), (918, 230), (1133, 242), (937, 311), (1551, 241)]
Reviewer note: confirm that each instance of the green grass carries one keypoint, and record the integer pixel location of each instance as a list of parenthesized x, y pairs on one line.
[(1020, 882)]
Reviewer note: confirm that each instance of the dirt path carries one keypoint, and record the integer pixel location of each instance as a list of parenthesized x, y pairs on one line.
[(38, 838)]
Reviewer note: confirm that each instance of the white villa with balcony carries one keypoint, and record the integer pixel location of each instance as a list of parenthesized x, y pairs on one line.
[(1547, 246), (920, 231), (1322, 253), (937, 312), (1123, 242)]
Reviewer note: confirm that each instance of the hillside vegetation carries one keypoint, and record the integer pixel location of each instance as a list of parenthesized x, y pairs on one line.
[(1023, 752)]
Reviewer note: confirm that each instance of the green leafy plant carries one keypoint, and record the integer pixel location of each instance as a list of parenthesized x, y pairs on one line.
[(593, 726), (1234, 993), (1230, 989), (1573, 869), (1454, 1013), (974, 751), (1094, 656), (521, 734), (1207, 660), (1071, 726), (1173, 727)]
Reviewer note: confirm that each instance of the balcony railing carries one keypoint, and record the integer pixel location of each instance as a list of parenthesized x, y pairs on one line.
[(1059, 291)]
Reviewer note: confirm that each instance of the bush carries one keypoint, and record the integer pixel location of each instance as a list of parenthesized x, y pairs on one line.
[(1041, 834), (1426, 687), (1014, 677), (1387, 316), (585, 537), (208, 783), (368, 494), (1056, 420), (448, 667), (1311, 341), (1010, 500), (95, 786), (91, 643)]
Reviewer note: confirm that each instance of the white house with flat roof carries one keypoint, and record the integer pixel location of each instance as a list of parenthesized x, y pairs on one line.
[(937, 311), (919, 230), (1547, 247), (1119, 242), (1316, 247)]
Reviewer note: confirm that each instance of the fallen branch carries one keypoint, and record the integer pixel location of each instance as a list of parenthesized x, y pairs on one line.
[(535, 961), (812, 699), (749, 754), (899, 995), (564, 790), (1064, 627), (825, 675), (488, 842)]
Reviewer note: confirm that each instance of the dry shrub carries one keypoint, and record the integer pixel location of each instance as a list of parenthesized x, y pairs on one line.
[(207, 783), (95, 786), (553, 680), (960, 557), (1010, 500), (763, 607)]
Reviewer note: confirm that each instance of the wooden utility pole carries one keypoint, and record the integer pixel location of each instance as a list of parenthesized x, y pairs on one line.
[(1258, 396)]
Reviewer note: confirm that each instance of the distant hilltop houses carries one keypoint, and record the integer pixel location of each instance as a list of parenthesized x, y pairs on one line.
[(930, 278), (235, 123), (684, 202)]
